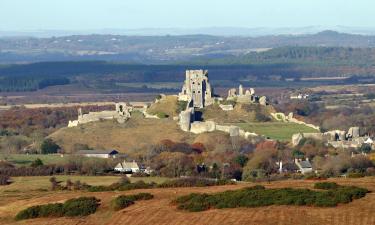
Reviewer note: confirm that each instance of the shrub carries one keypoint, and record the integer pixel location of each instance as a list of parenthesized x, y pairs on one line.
[(122, 185), (355, 175), (4, 180), (326, 185), (193, 182), (49, 147), (82, 206), (162, 115), (73, 207), (121, 202), (259, 196), (37, 162), (124, 201), (29, 213)]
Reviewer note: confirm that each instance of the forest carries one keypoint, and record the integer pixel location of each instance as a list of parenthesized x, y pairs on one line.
[(282, 66)]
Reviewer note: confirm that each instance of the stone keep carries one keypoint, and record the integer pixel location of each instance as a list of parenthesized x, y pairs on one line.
[(196, 89)]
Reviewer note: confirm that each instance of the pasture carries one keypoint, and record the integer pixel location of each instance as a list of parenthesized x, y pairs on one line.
[(160, 210), (276, 130)]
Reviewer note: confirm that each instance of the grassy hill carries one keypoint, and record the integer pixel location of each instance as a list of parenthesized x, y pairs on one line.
[(241, 113), (133, 135)]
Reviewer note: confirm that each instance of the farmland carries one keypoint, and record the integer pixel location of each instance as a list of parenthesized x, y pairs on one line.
[(160, 210)]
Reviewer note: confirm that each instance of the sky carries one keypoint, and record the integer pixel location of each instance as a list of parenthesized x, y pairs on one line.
[(18, 15)]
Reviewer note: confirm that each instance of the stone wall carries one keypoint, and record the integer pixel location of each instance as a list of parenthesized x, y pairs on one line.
[(279, 116), (121, 114)]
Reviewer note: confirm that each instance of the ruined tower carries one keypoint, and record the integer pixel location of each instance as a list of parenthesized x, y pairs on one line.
[(196, 89)]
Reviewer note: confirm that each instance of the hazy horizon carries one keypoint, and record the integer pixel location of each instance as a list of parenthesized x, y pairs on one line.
[(72, 15)]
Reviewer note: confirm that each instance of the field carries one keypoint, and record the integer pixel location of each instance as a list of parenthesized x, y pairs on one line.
[(160, 210), (26, 184), (24, 160), (276, 130)]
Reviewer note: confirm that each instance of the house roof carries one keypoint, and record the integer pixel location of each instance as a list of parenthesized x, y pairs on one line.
[(96, 152), (126, 165), (305, 164)]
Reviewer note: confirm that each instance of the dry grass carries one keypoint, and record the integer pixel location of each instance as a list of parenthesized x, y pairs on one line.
[(160, 211), (130, 137), (167, 105), (241, 113)]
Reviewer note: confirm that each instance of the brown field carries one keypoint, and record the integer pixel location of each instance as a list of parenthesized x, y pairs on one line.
[(160, 210)]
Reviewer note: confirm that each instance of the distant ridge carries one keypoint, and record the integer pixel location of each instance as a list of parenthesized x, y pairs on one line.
[(216, 31)]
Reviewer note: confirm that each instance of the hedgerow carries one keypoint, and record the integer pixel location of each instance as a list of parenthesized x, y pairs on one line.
[(193, 182), (181, 182), (259, 196), (82, 206)]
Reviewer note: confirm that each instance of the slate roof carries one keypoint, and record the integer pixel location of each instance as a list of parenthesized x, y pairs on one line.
[(101, 152), (305, 164)]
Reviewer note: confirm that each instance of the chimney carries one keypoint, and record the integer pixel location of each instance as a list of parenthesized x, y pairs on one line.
[(307, 159), (281, 166)]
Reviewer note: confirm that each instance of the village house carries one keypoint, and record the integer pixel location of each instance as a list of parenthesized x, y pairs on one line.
[(128, 167), (105, 154), (304, 166)]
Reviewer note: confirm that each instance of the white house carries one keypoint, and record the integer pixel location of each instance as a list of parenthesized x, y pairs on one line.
[(98, 153), (127, 167), (304, 166)]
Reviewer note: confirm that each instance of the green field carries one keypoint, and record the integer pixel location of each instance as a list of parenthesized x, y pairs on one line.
[(276, 130), (25, 160)]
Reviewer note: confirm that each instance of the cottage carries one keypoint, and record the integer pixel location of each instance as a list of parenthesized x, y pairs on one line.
[(98, 153), (127, 167), (304, 166)]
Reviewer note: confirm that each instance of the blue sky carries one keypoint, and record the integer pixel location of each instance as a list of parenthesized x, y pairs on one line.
[(132, 14)]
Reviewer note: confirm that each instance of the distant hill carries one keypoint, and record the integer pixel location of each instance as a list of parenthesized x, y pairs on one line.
[(162, 49)]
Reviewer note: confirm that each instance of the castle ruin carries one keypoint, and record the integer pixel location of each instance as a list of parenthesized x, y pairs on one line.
[(245, 96), (121, 114), (196, 90)]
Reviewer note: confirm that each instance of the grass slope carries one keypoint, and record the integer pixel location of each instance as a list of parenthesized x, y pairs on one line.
[(130, 137), (276, 130)]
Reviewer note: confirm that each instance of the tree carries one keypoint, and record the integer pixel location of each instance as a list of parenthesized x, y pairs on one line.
[(38, 162), (366, 148), (241, 160), (48, 146)]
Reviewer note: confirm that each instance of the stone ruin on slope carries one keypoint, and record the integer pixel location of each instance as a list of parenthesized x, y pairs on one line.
[(245, 96), (198, 92), (121, 114), (336, 138)]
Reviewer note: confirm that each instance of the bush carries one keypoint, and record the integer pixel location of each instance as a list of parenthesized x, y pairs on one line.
[(326, 185), (49, 147), (122, 185), (259, 196), (355, 175), (124, 201), (162, 115), (82, 206), (4, 180), (121, 202), (37, 162), (73, 207), (193, 182)]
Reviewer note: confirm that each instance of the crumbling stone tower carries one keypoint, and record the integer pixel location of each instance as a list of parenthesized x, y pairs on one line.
[(196, 89)]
